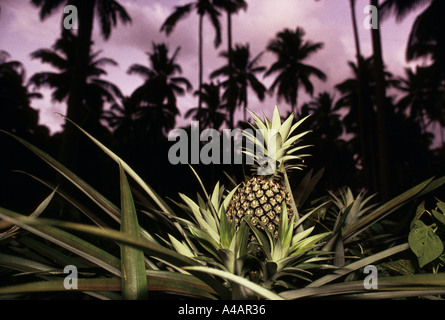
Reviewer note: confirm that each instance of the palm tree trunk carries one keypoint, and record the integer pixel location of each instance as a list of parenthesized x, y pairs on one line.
[(382, 124), (200, 61), (294, 104), (76, 109), (231, 99), (245, 106), (366, 145)]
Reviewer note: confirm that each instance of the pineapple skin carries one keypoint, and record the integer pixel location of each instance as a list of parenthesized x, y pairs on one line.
[(261, 198)]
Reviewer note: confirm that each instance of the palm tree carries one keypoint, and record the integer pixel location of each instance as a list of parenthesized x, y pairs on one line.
[(202, 8), (211, 116), (156, 97), (243, 70), (426, 39), (383, 113), (231, 7), (108, 12), (62, 57), (360, 112), (356, 90), (290, 50), (419, 94), (121, 118), (17, 116), (327, 122)]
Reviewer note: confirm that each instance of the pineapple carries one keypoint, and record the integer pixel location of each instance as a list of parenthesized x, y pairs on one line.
[(262, 196)]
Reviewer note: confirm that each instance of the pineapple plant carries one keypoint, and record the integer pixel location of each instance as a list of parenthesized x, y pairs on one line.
[(261, 197)]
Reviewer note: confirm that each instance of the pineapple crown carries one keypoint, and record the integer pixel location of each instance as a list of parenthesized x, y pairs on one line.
[(274, 144)]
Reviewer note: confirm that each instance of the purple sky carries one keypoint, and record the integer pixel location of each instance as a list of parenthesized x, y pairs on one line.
[(326, 21)]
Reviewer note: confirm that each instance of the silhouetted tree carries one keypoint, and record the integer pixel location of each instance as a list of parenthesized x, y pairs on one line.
[(426, 40), (243, 71), (156, 97), (290, 50), (212, 115), (327, 122), (62, 57), (17, 116), (231, 7), (108, 12), (383, 114), (202, 8), (330, 152)]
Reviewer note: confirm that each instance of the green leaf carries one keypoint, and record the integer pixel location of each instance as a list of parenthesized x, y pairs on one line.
[(82, 208), (227, 229), (388, 288), (89, 191), (203, 218), (382, 211), (134, 280), (440, 216), (261, 291), (66, 240), (425, 244), (181, 247), (158, 200), (441, 206), (151, 248), (156, 281), (358, 264), (41, 207)]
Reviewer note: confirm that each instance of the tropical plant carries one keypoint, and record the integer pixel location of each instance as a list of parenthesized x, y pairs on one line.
[(17, 115), (202, 254), (424, 38), (420, 92), (383, 114), (426, 240), (425, 42), (262, 197), (243, 72), (62, 57), (363, 86), (328, 123), (156, 97), (203, 8), (290, 50), (211, 116), (109, 12), (231, 7)]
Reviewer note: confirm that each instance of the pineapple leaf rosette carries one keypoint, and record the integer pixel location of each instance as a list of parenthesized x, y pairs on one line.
[(254, 233), (270, 149)]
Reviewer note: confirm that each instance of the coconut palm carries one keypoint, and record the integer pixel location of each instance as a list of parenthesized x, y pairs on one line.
[(108, 12), (427, 40), (121, 116), (63, 58), (291, 49), (212, 115), (231, 7), (156, 97), (17, 116), (383, 113), (361, 83), (327, 122), (202, 8), (243, 70)]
